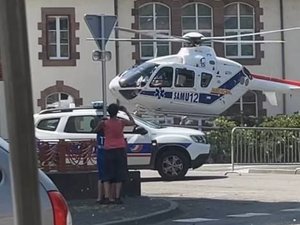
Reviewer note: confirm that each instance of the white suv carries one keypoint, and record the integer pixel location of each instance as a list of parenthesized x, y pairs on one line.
[(170, 150)]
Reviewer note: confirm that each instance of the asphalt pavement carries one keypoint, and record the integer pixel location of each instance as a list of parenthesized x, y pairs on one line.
[(142, 210)]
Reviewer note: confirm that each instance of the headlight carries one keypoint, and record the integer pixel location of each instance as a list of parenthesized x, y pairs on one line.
[(198, 138)]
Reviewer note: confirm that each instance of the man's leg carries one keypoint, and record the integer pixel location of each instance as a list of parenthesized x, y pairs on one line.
[(118, 189), (107, 187), (100, 191), (113, 190)]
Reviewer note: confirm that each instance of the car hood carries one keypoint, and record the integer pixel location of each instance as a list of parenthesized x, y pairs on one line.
[(178, 130)]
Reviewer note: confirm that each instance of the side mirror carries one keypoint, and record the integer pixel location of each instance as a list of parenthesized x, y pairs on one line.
[(140, 130)]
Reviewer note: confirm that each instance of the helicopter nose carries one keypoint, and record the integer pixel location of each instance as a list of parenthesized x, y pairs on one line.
[(114, 86)]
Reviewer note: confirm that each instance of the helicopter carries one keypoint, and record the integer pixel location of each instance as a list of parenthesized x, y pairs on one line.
[(195, 81)]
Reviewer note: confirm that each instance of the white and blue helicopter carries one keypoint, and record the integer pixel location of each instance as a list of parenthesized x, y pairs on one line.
[(194, 81)]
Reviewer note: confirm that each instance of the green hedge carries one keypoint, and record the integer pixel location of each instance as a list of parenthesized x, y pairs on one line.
[(220, 137)]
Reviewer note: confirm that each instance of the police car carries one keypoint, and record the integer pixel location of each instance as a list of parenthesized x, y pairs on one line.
[(169, 150)]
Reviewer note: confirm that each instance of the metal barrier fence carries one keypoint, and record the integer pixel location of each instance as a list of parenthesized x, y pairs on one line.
[(62, 156), (262, 145)]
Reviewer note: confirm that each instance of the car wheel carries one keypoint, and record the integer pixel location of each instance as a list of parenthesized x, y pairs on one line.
[(172, 165)]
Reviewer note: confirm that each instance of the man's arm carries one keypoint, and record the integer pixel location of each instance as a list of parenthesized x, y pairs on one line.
[(99, 126), (129, 122)]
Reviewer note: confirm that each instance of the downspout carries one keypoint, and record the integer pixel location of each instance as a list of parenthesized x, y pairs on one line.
[(117, 46), (283, 69)]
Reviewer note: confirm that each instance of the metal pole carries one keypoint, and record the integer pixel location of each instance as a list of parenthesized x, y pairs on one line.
[(242, 111), (103, 62), (17, 83)]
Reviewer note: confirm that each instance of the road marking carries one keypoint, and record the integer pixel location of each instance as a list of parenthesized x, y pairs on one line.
[(194, 220), (249, 215), (291, 210)]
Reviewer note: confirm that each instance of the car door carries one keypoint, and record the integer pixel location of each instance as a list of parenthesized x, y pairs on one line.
[(139, 146)]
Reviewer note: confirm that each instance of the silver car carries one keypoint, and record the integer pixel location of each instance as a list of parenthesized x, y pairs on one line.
[(54, 209)]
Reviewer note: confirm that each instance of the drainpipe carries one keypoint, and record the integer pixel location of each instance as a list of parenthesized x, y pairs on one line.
[(282, 52), (117, 46)]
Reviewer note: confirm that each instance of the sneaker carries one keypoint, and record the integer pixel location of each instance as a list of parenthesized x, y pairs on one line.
[(118, 201), (104, 201)]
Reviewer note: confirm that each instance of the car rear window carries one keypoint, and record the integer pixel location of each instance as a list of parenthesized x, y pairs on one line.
[(48, 124)]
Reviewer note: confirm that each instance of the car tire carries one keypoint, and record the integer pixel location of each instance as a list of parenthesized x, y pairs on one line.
[(172, 165)]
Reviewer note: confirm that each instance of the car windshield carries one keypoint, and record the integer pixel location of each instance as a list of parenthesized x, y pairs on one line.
[(147, 123), (137, 76)]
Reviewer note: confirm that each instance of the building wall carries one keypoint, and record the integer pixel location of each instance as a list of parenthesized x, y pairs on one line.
[(86, 76)]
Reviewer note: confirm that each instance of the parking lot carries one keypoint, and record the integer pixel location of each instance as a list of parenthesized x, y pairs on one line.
[(207, 196)]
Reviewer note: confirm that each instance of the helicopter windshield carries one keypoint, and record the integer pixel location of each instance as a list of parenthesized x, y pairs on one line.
[(137, 76)]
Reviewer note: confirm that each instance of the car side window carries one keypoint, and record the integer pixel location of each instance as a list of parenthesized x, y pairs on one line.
[(48, 124), (128, 129), (80, 124)]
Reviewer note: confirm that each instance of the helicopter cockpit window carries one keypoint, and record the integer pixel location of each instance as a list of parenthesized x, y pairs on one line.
[(205, 79), (137, 76), (184, 78), (163, 78)]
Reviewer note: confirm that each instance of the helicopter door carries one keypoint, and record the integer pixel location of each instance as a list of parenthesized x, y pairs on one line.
[(163, 78), (161, 86), (185, 86)]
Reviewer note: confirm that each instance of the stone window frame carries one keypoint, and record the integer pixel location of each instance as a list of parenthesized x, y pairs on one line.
[(59, 87), (74, 41), (218, 28)]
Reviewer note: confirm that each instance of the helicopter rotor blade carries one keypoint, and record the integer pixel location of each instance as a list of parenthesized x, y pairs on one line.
[(140, 40), (250, 34), (249, 42), (148, 33)]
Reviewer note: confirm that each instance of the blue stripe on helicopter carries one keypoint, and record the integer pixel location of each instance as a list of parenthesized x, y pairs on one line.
[(195, 97)]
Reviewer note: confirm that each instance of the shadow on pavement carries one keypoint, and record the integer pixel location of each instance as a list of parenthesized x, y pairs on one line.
[(187, 178)]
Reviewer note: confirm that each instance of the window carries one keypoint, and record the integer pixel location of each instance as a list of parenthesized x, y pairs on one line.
[(58, 39), (205, 79), (163, 78), (80, 124), (154, 18), (239, 19), (48, 124), (197, 17), (184, 78), (249, 106), (59, 100)]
